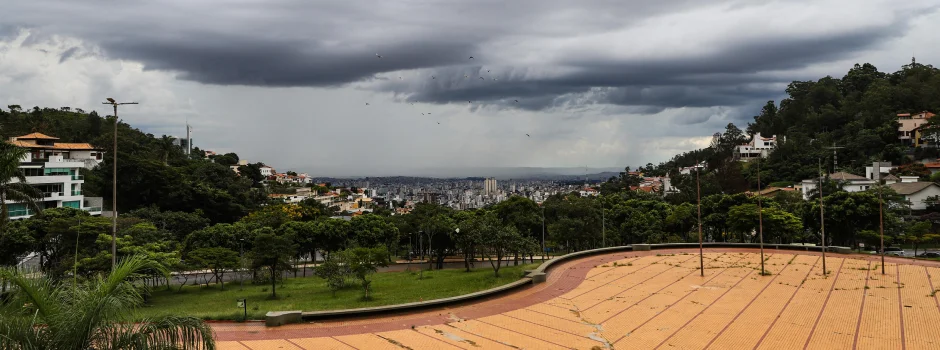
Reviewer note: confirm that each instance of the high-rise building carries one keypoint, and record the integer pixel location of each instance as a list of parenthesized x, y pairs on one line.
[(489, 186)]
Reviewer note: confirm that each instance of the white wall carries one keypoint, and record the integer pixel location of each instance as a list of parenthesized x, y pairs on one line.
[(917, 199)]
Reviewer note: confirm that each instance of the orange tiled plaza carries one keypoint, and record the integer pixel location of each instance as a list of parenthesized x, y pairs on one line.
[(658, 300)]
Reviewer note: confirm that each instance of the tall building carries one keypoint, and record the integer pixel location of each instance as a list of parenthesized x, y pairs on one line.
[(53, 168), (489, 186)]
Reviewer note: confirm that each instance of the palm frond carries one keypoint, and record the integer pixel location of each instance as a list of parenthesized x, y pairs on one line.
[(166, 332), (40, 292)]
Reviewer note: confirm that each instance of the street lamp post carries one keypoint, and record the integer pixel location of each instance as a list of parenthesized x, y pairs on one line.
[(114, 213), (760, 219), (822, 220), (881, 224), (543, 232), (698, 199)]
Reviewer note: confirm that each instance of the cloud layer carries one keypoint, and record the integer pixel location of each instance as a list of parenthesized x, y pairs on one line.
[(595, 82)]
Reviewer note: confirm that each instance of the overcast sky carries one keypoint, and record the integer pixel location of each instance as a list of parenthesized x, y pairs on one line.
[(598, 83)]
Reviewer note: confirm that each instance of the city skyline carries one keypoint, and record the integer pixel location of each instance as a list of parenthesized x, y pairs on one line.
[(623, 90)]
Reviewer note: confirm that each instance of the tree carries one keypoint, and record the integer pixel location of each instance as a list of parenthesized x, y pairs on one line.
[(918, 233), (94, 314), (19, 191), (272, 251), (363, 262), (469, 234), (167, 147), (334, 271), (440, 224), (215, 259), (498, 242)]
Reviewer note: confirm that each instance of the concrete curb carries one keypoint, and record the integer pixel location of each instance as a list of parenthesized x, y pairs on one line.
[(539, 275), (312, 315)]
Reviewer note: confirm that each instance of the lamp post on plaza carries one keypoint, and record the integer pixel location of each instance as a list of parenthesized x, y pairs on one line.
[(698, 199), (114, 213), (760, 219)]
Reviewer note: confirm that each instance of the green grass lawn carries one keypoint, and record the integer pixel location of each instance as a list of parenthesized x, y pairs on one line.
[(311, 293)]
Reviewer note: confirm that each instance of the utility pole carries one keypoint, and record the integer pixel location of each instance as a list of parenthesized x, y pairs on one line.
[(822, 222), (114, 212), (760, 220), (835, 160), (698, 186)]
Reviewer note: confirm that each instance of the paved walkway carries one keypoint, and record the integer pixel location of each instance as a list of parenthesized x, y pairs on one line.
[(658, 299)]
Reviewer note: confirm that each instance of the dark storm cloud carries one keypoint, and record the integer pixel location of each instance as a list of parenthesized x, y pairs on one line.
[(304, 44)]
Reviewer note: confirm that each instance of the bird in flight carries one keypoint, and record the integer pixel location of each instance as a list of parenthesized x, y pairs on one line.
[(432, 77), (469, 102), (422, 113), (487, 70), (466, 76), (377, 55), (438, 123), (367, 103), (110, 100), (481, 78), (527, 135), (471, 57), (517, 101), (399, 78)]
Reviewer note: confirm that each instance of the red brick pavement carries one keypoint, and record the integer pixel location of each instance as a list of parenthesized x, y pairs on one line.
[(562, 278)]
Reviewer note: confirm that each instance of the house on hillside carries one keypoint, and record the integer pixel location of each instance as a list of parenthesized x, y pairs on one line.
[(758, 147), (54, 168), (917, 193), (907, 124), (849, 182)]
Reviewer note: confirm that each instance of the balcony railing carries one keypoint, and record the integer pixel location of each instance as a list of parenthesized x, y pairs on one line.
[(52, 194), (92, 209), (77, 177), (76, 193)]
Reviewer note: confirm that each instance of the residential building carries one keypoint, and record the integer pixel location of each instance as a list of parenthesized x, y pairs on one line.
[(758, 147), (688, 170), (917, 193), (849, 183), (267, 171), (489, 186), (877, 170), (907, 123), (53, 168)]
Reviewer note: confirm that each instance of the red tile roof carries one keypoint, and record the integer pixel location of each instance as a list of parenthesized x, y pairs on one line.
[(37, 136)]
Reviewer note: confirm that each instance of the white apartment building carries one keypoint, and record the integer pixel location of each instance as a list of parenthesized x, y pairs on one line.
[(850, 183), (267, 171), (53, 167), (759, 146)]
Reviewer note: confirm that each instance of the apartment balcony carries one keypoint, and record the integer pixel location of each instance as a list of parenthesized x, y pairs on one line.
[(78, 178), (53, 194), (93, 210), (20, 214), (76, 193)]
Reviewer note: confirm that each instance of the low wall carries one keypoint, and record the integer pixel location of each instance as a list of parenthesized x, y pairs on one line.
[(538, 275)]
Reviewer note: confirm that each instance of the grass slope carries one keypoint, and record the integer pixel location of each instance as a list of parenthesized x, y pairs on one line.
[(311, 293)]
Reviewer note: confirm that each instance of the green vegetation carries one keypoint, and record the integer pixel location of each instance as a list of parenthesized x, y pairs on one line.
[(91, 314), (312, 293)]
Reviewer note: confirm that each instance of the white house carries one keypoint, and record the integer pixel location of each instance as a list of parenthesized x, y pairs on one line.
[(875, 171), (850, 183), (53, 168), (916, 192), (759, 146), (688, 170), (267, 171)]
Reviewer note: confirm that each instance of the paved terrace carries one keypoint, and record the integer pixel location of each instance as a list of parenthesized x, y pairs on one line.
[(658, 300)]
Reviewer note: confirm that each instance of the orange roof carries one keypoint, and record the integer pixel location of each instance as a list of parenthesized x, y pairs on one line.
[(932, 165), (78, 146), (37, 136)]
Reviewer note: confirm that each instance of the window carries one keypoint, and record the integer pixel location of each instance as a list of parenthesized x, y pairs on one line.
[(33, 172), (72, 204), (56, 171)]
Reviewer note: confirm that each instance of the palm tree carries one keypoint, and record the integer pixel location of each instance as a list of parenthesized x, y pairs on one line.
[(165, 143), (42, 313), (20, 191)]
